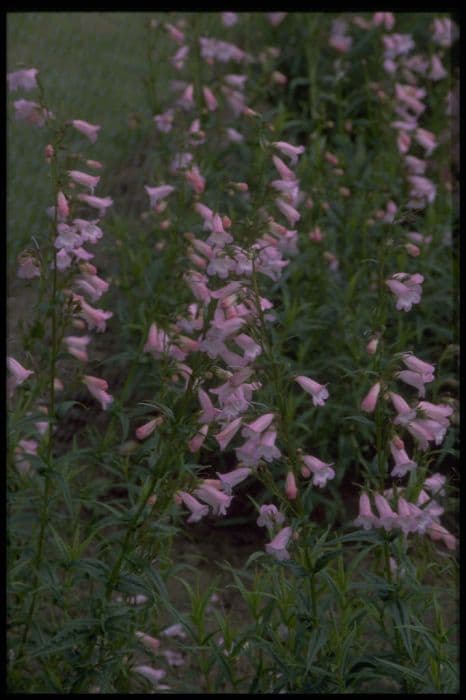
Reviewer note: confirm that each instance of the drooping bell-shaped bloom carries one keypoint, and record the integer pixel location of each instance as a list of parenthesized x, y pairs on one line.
[(100, 203), (198, 510), (369, 402), (97, 388), (269, 515), (277, 547), (403, 464), (28, 266), (387, 517), (77, 346), (321, 471), (227, 434), (291, 489), (413, 379), (148, 428), (95, 318), (156, 194), (19, 372), (233, 478), (198, 440), (218, 500), (150, 642), (90, 181), (318, 391), (406, 293), (288, 150), (210, 99), (435, 483), (22, 79), (89, 130), (31, 112), (157, 341), (366, 518), (176, 630), (425, 369), (438, 532), (152, 674), (251, 430)]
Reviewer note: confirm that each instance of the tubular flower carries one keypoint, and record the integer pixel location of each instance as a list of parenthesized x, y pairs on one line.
[(277, 547), (370, 400), (98, 387), (318, 392)]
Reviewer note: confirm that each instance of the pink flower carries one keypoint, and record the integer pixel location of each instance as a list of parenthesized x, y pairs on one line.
[(403, 464), (370, 400), (98, 388), (426, 139), (444, 31), (209, 412), (210, 99), (318, 392), (289, 212), (148, 641), (406, 292), (31, 112), (254, 429), (164, 122), (291, 490), (234, 136), (371, 347), (218, 500), (157, 341), (268, 515), (277, 547), (435, 483), (175, 630), (20, 373), (366, 519), (89, 130), (425, 369), (198, 440), (152, 674), (28, 267), (276, 18), (198, 511), (438, 412), (22, 79), (322, 471), (413, 379), (95, 318), (147, 429), (25, 447), (233, 478), (386, 19), (438, 532), (76, 346), (90, 181), (423, 433), (229, 19), (387, 517), (175, 33), (195, 179), (404, 410), (228, 433), (100, 203), (288, 150), (158, 193), (340, 43), (437, 71)]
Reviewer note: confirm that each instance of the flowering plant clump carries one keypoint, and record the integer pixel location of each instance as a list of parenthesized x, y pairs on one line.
[(231, 355)]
